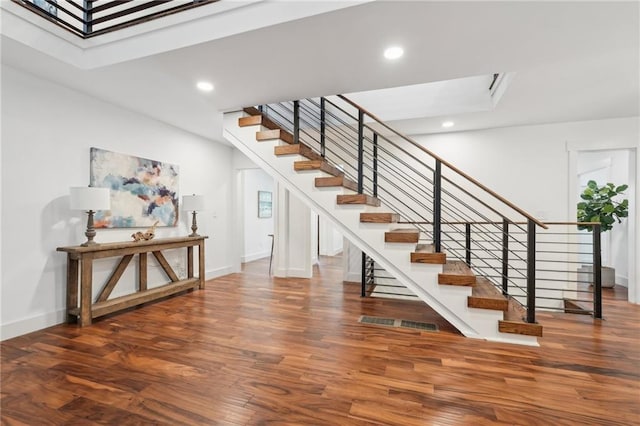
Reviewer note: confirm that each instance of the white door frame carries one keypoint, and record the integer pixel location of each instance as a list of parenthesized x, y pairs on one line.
[(574, 148)]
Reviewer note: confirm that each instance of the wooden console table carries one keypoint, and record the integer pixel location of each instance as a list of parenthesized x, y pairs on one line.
[(80, 259)]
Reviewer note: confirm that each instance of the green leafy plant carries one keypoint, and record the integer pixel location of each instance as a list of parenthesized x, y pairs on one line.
[(598, 205)]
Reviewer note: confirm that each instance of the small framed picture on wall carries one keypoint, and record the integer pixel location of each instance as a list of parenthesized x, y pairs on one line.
[(265, 201)]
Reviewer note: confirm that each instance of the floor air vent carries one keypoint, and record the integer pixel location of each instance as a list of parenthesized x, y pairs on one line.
[(391, 322)]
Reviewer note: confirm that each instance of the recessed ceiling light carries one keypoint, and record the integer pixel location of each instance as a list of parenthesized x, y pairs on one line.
[(393, 52), (447, 124), (205, 86)]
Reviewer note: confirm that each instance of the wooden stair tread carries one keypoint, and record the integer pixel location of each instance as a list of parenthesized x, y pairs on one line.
[(485, 295), (256, 118), (456, 272), (331, 181), (297, 149), (317, 165), (273, 134), (379, 217), (581, 307), (514, 321), (357, 199), (407, 235), (425, 253)]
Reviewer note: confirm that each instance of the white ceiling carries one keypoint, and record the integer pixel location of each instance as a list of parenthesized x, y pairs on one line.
[(571, 60)]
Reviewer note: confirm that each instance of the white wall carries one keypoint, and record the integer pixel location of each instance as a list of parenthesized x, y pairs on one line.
[(531, 165), (330, 239), (47, 131), (257, 243)]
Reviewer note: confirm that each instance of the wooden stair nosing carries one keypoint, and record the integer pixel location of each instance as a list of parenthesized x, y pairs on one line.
[(514, 321), (251, 120), (424, 253), (273, 134), (402, 236), (485, 295), (519, 327), (361, 199), (297, 149), (331, 181), (456, 273), (317, 165), (265, 121), (379, 217)]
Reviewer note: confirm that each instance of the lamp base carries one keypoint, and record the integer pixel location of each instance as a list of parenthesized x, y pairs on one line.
[(194, 226), (91, 231)]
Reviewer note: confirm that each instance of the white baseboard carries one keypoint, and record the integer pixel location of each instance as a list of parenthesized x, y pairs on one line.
[(623, 281), (352, 277), (31, 324), (38, 322), (255, 256), (219, 272)]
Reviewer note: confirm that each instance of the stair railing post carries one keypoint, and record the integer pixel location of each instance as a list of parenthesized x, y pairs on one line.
[(296, 122), (375, 164), (531, 271), (322, 125), (505, 256), (360, 151), (437, 205), (597, 272), (467, 243), (363, 287), (88, 17)]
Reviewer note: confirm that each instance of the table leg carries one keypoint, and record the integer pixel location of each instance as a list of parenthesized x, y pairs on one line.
[(72, 288), (201, 264), (190, 262), (85, 291)]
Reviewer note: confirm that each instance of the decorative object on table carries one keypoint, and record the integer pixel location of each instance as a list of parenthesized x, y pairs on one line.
[(48, 6), (147, 235), (143, 191), (264, 204), (193, 203), (89, 199), (598, 205)]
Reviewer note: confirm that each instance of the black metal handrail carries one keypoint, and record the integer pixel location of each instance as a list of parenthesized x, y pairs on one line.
[(435, 197), (90, 18)]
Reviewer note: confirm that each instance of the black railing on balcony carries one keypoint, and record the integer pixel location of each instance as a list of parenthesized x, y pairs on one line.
[(451, 210), (90, 18)]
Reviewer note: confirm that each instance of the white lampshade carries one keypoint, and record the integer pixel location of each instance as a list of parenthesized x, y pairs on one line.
[(193, 203), (89, 198)]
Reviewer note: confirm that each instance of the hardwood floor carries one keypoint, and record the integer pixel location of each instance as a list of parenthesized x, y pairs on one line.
[(253, 350)]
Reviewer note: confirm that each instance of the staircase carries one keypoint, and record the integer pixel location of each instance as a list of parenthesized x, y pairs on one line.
[(437, 275)]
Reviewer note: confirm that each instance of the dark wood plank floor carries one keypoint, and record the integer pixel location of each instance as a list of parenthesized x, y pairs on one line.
[(252, 350)]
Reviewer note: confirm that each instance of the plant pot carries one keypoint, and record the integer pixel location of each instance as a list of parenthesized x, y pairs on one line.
[(585, 275)]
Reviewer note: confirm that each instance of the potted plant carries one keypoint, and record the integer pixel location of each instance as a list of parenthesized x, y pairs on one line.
[(598, 205)]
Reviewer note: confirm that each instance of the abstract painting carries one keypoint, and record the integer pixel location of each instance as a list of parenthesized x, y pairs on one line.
[(143, 191)]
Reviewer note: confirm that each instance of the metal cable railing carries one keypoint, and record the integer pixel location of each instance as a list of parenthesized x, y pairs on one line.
[(452, 211), (90, 18)]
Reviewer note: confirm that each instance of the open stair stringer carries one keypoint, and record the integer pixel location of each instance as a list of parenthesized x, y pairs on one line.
[(448, 301)]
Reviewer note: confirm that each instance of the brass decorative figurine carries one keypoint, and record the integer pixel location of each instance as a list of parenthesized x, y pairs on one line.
[(147, 235)]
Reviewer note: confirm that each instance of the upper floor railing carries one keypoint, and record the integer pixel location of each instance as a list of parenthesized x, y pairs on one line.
[(90, 18), (427, 192)]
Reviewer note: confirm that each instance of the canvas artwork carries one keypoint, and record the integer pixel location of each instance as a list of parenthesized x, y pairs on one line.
[(264, 204), (143, 191)]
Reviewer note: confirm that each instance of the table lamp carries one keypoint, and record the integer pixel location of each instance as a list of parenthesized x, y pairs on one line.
[(193, 203), (89, 199)]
